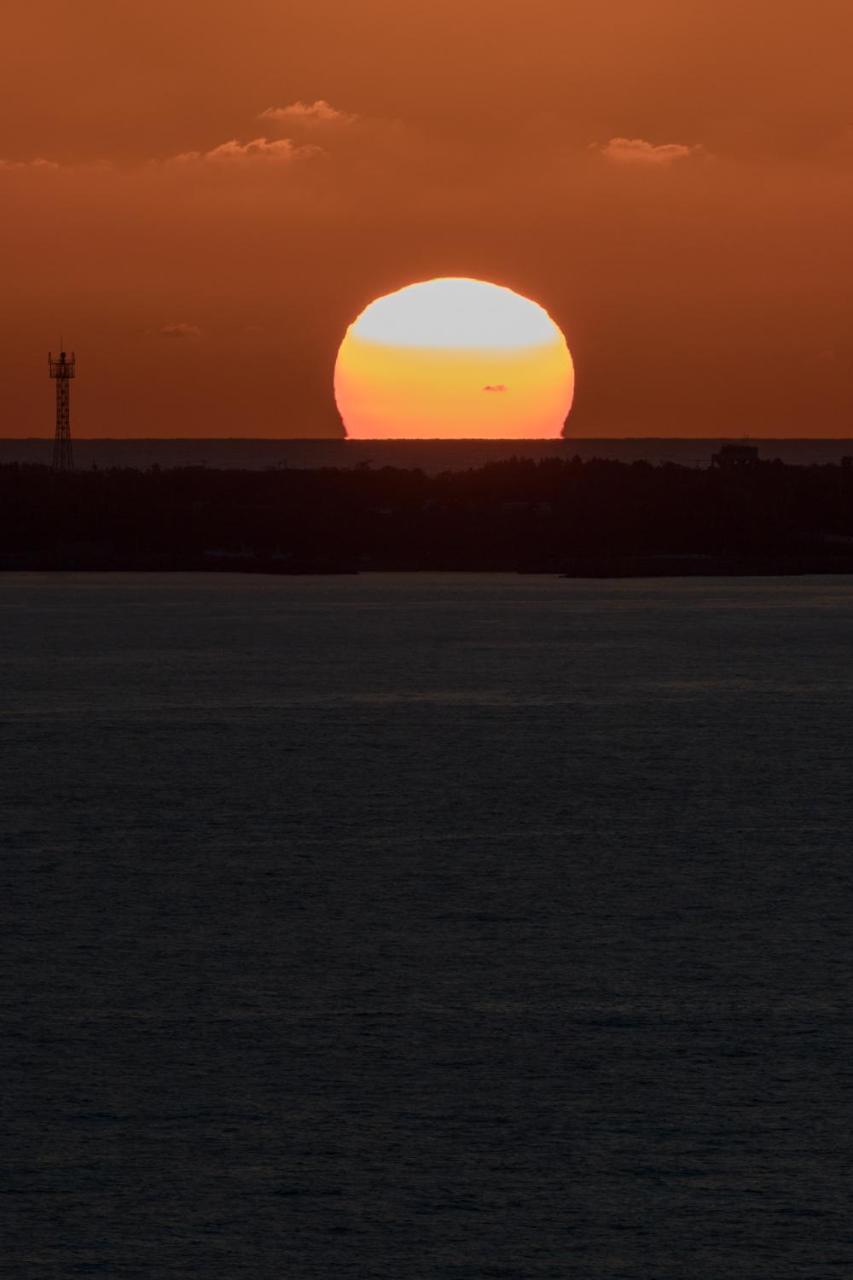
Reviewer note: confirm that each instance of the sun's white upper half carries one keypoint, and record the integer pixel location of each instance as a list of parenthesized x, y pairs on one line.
[(453, 359), (456, 312)]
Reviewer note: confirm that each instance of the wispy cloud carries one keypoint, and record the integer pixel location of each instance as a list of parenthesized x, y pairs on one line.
[(46, 166), (309, 114), (269, 150), (181, 330), (648, 155)]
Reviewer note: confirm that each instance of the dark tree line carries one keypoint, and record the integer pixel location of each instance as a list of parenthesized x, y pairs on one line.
[(551, 515)]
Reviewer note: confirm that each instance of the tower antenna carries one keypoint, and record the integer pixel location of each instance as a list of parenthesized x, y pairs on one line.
[(63, 368)]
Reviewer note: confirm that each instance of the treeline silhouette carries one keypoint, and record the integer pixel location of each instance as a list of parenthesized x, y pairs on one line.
[(595, 517)]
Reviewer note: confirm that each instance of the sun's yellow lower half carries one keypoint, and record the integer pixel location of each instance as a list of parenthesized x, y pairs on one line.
[(454, 359)]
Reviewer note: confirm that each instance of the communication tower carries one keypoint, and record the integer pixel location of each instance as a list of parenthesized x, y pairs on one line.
[(63, 368)]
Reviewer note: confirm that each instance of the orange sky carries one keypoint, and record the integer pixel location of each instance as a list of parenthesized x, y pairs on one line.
[(671, 179)]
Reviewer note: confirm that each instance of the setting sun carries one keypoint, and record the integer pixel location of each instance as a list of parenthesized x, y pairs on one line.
[(454, 359)]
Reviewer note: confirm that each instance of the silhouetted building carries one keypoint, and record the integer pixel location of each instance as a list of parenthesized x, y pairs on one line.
[(734, 457)]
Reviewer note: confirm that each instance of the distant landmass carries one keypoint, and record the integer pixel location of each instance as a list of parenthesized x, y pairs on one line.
[(432, 456), (593, 518)]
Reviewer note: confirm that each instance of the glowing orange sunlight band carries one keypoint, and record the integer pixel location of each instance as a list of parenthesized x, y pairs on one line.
[(454, 359)]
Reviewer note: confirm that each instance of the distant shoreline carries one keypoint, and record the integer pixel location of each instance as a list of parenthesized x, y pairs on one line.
[(431, 456), (592, 568)]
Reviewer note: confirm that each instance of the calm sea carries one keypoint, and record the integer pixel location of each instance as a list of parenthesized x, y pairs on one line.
[(426, 926)]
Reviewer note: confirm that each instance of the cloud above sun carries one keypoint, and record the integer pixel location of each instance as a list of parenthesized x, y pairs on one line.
[(331, 125), (647, 155), (301, 119), (275, 151), (309, 114)]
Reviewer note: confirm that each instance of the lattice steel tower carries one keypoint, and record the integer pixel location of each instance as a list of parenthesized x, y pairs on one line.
[(62, 368)]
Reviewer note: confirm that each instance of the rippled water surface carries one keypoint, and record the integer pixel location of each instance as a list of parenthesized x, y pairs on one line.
[(426, 926)]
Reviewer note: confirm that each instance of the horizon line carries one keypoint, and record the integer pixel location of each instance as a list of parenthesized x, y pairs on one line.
[(419, 440)]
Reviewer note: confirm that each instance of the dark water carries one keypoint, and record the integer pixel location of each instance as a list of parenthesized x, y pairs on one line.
[(406, 927)]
